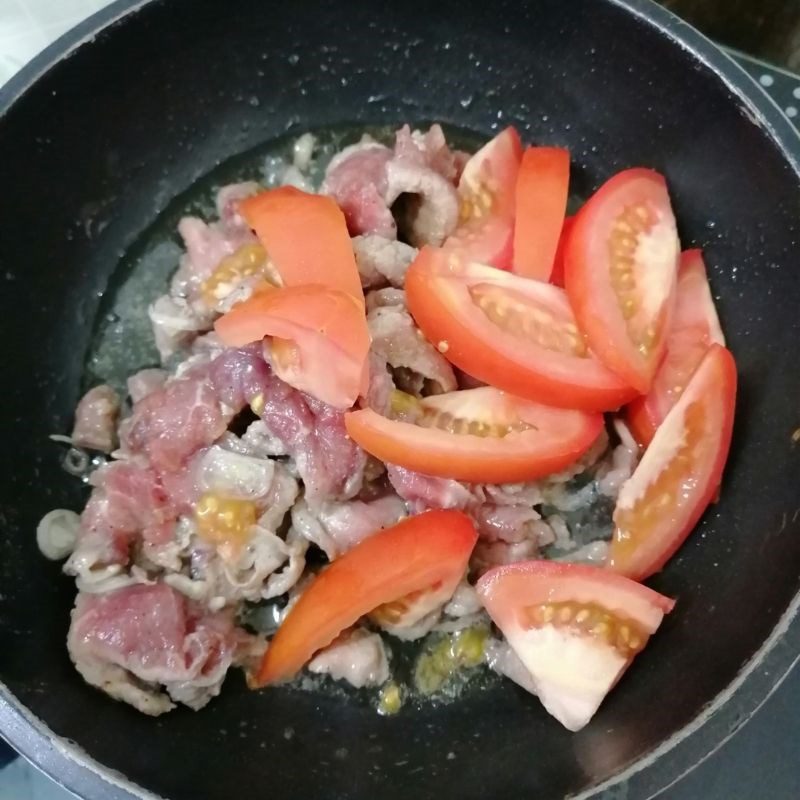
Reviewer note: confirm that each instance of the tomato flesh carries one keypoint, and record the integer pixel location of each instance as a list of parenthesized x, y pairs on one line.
[(541, 203), (486, 193), (695, 327), (575, 628), (621, 267), (305, 236), (415, 554), (320, 338), (680, 472), (513, 333), (479, 435)]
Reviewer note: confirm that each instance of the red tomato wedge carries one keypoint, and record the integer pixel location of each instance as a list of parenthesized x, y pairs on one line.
[(679, 473), (417, 553), (480, 435), (541, 203), (321, 338), (557, 275), (513, 333), (305, 236), (621, 267), (695, 327), (487, 197), (575, 628)]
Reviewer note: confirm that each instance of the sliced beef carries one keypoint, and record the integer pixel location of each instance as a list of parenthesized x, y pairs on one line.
[(356, 179), (171, 424), (337, 527), (381, 261), (398, 342), (311, 432), (133, 641), (427, 211), (358, 657), (128, 503)]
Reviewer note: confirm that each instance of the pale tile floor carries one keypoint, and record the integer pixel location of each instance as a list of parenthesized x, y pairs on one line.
[(26, 27)]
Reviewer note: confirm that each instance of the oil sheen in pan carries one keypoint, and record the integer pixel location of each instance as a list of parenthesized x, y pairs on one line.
[(123, 343)]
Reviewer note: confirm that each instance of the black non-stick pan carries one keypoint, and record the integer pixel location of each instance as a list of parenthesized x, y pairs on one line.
[(125, 113)]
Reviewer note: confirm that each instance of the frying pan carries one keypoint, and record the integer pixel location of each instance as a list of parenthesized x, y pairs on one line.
[(127, 111)]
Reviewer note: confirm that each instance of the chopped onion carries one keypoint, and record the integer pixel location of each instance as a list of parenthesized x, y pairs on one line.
[(234, 475), (57, 533), (76, 461), (303, 150)]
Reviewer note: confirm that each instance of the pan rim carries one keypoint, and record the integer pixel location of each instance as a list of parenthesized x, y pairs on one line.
[(673, 759)]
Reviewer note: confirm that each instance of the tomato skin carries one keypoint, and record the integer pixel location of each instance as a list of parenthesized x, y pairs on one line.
[(557, 275), (440, 292), (599, 281), (320, 338), (305, 236), (412, 555), (695, 327), (546, 440), (541, 203), (684, 464), (486, 192)]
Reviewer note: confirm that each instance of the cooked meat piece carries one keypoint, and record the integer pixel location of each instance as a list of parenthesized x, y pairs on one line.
[(381, 261), (428, 203), (175, 324), (337, 527), (430, 149), (128, 501), (172, 423), (145, 381), (357, 657), (380, 298), (96, 420), (228, 199), (397, 340), (133, 641), (356, 179), (425, 491), (206, 245)]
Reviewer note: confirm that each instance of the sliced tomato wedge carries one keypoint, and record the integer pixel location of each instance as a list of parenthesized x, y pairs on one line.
[(481, 435), (417, 553), (320, 342), (541, 203), (679, 473), (487, 198), (513, 333), (621, 268), (305, 236), (695, 327), (575, 628), (557, 275)]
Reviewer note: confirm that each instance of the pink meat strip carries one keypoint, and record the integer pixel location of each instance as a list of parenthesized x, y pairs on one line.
[(356, 179), (152, 632), (172, 423), (128, 501), (499, 514), (366, 179)]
